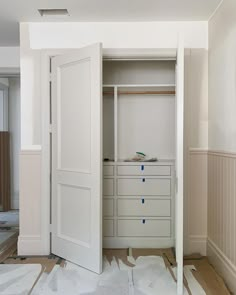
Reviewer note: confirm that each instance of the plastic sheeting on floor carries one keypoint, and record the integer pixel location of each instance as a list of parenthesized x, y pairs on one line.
[(149, 276), (18, 279)]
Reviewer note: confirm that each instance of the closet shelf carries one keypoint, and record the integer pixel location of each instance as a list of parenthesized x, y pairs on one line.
[(140, 92), (138, 85)]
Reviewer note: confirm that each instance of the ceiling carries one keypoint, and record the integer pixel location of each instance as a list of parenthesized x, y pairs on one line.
[(14, 11)]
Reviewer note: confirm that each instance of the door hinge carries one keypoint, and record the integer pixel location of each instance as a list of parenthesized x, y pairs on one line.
[(50, 77), (50, 227), (176, 184), (50, 128)]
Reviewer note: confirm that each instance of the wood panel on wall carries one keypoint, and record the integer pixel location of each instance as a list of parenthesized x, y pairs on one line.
[(5, 196), (221, 247)]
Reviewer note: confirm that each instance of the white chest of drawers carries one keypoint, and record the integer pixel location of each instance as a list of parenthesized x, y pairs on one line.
[(138, 204)]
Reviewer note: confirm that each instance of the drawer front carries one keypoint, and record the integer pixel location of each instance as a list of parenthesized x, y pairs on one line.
[(108, 228), (143, 228), (143, 186), (143, 207), (108, 170), (108, 207), (108, 187), (144, 170)]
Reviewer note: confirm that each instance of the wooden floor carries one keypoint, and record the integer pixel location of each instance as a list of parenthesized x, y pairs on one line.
[(205, 274)]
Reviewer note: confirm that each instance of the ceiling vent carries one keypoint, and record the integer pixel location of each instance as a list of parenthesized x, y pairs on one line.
[(53, 12)]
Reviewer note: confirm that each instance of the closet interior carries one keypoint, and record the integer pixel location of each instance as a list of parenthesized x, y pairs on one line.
[(139, 127)]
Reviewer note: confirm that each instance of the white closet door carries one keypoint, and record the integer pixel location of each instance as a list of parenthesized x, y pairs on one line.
[(179, 164), (77, 157)]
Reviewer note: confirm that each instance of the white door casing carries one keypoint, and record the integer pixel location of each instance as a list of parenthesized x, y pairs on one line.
[(179, 164), (77, 157)]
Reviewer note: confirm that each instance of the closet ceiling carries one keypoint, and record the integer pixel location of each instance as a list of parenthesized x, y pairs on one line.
[(14, 11)]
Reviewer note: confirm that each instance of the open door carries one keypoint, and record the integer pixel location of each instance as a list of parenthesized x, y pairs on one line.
[(179, 164), (77, 157)]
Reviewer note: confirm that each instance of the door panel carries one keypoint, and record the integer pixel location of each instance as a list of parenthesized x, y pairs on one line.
[(77, 157)]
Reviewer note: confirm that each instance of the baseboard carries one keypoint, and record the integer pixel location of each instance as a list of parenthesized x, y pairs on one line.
[(30, 245), (138, 242), (196, 244), (222, 265)]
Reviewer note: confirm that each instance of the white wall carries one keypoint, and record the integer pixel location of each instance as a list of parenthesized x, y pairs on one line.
[(9, 57), (222, 137), (222, 78), (73, 35), (14, 129)]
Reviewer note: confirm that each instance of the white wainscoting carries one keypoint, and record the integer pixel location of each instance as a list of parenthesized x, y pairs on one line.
[(196, 201), (221, 245), (30, 240)]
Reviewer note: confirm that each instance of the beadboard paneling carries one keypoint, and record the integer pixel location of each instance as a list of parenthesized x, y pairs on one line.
[(222, 208), (30, 238)]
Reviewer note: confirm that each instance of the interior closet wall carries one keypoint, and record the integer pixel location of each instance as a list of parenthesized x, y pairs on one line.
[(14, 129), (195, 150), (222, 142)]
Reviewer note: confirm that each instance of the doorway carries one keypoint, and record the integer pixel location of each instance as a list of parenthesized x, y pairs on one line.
[(9, 153)]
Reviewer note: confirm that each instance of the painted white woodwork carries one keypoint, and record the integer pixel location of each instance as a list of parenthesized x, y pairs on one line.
[(76, 157), (108, 227), (108, 187), (14, 129), (146, 170), (196, 191), (221, 244), (108, 170), (143, 206), (118, 35), (30, 241), (143, 228), (143, 186), (132, 201), (4, 107), (179, 164)]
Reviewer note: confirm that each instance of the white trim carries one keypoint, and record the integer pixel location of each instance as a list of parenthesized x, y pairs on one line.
[(30, 245), (197, 244), (139, 54), (117, 243), (215, 11), (197, 151), (222, 264), (219, 153), (30, 149)]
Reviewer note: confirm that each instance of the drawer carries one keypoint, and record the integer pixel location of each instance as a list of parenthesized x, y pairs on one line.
[(108, 170), (143, 228), (108, 187), (108, 207), (143, 187), (143, 207), (144, 170), (108, 227)]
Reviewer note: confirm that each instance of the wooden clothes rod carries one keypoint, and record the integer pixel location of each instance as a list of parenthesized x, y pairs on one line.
[(139, 92)]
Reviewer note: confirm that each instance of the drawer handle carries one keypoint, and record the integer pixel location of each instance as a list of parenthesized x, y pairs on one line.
[(143, 201), (143, 179), (142, 167), (144, 221)]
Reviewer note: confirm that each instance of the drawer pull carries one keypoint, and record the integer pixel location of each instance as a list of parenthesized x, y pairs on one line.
[(144, 221), (143, 201), (143, 179), (142, 167)]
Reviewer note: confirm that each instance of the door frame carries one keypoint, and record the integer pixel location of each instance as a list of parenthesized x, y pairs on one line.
[(46, 55)]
